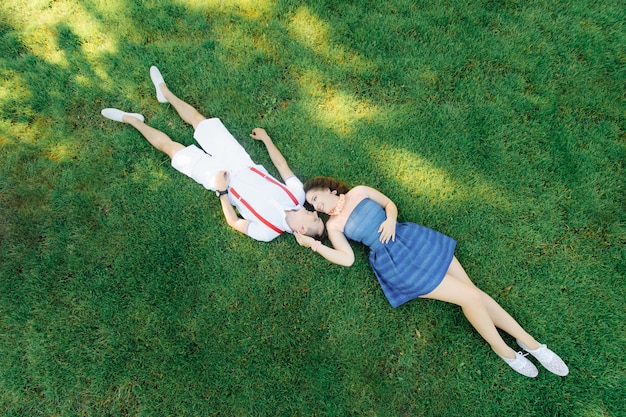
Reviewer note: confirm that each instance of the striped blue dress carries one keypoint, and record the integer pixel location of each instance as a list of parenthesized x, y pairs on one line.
[(412, 265)]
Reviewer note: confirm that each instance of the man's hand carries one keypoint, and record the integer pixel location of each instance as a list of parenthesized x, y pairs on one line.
[(277, 158), (259, 134), (222, 180)]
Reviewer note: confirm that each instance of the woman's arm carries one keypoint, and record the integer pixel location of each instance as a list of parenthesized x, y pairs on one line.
[(341, 253)]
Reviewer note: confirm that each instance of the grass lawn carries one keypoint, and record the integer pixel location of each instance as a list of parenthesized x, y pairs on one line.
[(123, 292)]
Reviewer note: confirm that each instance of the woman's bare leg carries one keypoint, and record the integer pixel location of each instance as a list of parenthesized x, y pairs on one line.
[(470, 299), (499, 316)]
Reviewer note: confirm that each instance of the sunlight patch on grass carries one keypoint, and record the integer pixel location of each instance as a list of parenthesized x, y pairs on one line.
[(421, 177), (593, 410), (309, 29), (14, 94), (42, 42), (153, 178), (12, 89), (251, 9), (416, 173), (240, 45), (39, 24), (84, 81), (313, 32), (25, 132), (336, 109), (60, 152), (9, 129), (429, 76)]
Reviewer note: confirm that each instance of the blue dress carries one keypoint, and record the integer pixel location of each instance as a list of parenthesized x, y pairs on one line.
[(412, 265)]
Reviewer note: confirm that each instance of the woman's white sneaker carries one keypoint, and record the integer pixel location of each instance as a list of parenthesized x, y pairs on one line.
[(522, 365), (550, 360)]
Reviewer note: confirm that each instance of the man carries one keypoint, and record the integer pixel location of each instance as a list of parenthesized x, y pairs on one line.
[(268, 207)]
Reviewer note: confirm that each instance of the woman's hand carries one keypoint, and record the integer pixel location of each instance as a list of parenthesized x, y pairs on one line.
[(387, 231), (222, 180), (304, 240), (259, 134)]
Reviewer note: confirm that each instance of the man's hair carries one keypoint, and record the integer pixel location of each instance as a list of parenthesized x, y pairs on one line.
[(322, 237), (325, 182)]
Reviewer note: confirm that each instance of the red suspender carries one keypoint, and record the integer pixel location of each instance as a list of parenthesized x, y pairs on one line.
[(253, 211), (245, 203), (273, 181)]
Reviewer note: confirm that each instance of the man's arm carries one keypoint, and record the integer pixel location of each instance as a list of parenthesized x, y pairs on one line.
[(277, 158), (222, 182)]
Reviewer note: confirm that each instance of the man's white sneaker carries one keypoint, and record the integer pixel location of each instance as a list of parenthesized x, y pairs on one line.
[(550, 360), (157, 79), (522, 365), (117, 115)]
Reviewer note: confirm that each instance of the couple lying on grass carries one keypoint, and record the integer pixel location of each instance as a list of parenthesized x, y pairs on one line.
[(409, 260)]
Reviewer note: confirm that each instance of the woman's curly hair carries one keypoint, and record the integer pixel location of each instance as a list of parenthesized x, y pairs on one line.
[(325, 182), (322, 183)]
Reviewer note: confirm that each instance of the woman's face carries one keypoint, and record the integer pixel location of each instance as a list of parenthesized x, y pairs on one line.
[(322, 199)]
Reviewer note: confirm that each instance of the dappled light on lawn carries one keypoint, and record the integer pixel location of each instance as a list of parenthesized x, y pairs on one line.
[(154, 178), (250, 9), (592, 410), (334, 108), (419, 176), (61, 152), (312, 32), (39, 23), (12, 91)]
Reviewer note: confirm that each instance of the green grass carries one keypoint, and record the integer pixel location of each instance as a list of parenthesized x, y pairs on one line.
[(124, 293)]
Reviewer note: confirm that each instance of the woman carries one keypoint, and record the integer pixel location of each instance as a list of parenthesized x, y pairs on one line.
[(413, 261)]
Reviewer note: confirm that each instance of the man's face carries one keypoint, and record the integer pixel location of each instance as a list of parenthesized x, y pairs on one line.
[(308, 223)]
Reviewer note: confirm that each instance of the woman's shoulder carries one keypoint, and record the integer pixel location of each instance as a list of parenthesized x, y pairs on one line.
[(359, 190)]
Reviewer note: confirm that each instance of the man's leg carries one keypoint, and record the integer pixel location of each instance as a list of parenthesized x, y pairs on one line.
[(156, 138), (186, 111)]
